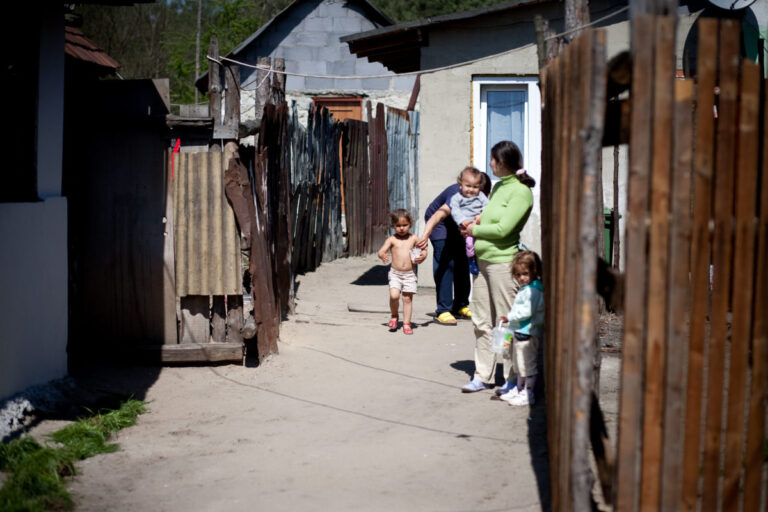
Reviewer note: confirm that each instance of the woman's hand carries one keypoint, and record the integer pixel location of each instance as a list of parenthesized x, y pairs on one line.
[(467, 230), (423, 242)]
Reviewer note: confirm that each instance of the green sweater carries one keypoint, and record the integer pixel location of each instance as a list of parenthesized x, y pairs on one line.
[(497, 235)]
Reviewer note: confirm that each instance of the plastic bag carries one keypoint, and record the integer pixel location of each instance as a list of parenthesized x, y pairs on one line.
[(502, 339)]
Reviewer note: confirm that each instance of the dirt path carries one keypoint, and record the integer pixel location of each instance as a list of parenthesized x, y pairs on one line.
[(348, 417)]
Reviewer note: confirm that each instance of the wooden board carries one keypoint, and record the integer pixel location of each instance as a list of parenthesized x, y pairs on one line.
[(722, 254), (630, 414), (743, 277), (700, 257), (678, 299), (658, 251), (758, 396)]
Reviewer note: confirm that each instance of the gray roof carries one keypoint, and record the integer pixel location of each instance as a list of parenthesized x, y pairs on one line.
[(375, 14), (398, 47)]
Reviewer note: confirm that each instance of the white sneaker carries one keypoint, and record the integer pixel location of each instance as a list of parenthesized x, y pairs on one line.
[(509, 395), (523, 398)]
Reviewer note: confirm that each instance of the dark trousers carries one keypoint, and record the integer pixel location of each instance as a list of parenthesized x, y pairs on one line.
[(451, 271)]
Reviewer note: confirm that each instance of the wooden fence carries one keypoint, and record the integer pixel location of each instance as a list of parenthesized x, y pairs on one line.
[(694, 377), (572, 131), (701, 214)]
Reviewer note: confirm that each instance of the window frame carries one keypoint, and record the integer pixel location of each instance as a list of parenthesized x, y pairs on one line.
[(532, 120)]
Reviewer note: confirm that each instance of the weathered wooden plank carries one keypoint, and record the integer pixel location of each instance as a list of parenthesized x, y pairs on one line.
[(218, 320), (593, 101), (656, 305), (214, 83), (548, 78), (743, 265), (197, 352), (170, 328), (195, 325), (235, 320), (722, 254), (700, 257), (562, 478), (630, 414), (231, 101), (758, 396), (678, 297)]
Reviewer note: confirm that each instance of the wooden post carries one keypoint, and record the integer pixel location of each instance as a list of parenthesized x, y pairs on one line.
[(214, 83), (234, 318), (541, 46), (277, 90), (218, 319), (592, 48), (576, 16), (232, 99), (615, 213)]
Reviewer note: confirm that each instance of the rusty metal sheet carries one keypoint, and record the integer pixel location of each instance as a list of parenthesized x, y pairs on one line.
[(207, 242)]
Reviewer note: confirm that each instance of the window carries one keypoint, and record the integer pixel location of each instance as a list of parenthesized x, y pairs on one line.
[(506, 108)]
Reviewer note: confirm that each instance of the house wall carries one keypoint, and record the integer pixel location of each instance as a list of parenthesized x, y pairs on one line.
[(308, 39), (446, 99), (33, 294), (33, 262)]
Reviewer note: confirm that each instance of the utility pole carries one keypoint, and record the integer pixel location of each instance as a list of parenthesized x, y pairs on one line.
[(197, 44)]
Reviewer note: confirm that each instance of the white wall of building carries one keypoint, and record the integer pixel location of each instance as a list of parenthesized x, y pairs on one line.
[(33, 294), (33, 262)]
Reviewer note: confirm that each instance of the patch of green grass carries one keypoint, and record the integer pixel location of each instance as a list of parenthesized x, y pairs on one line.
[(37, 471)]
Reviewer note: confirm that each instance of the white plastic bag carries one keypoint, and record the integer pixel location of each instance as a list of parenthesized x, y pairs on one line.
[(502, 339)]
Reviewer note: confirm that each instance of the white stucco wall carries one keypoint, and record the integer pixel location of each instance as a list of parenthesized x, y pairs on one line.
[(446, 124), (33, 262), (33, 294)]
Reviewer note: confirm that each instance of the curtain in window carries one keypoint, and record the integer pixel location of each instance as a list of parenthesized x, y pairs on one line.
[(506, 120)]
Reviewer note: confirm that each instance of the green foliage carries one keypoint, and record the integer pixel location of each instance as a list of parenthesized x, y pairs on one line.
[(36, 471), (412, 10)]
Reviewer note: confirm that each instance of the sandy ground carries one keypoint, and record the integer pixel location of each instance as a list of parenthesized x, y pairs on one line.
[(348, 417)]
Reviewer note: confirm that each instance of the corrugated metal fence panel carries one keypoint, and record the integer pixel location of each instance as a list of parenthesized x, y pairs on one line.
[(207, 243), (402, 159), (357, 190), (413, 165), (377, 146)]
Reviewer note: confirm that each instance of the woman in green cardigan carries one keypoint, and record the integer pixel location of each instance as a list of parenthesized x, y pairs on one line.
[(497, 235)]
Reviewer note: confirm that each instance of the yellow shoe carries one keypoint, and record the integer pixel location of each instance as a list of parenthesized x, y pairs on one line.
[(465, 312), (446, 318)]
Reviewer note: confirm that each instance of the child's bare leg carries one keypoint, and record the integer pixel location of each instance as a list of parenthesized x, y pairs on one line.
[(407, 307), (394, 301)]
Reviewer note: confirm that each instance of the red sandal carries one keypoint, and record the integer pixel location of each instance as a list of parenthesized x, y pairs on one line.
[(407, 329), (392, 325)]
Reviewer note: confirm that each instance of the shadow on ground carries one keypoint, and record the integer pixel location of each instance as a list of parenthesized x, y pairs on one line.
[(374, 276)]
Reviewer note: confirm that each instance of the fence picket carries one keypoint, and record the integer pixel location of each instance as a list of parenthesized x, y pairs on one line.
[(700, 258), (758, 395), (658, 247), (743, 263), (722, 254), (631, 417)]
